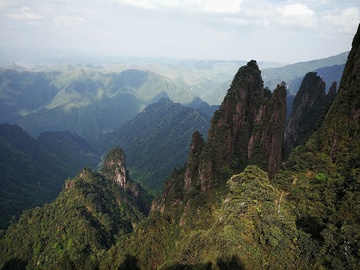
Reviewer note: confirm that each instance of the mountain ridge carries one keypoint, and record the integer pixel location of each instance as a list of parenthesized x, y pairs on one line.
[(226, 208), (87, 102), (33, 171), (157, 140)]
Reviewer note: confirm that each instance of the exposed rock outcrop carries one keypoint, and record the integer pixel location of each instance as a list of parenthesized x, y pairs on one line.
[(309, 106), (248, 128), (265, 143), (114, 167), (192, 165)]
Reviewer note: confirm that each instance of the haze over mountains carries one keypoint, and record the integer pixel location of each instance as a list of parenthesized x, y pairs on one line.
[(244, 182), (237, 203), (91, 100), (77, 113)]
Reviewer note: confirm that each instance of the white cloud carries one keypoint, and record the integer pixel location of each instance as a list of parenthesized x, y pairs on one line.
[(297, 14), (267, 13), (225, 6), (270, 29), (216, 6), (69, 21), (147, 4), (344, 20), (25, 14), (296, 10)]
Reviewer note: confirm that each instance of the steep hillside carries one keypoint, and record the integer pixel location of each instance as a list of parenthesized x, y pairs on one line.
[(157, 140), (90, 214), (25, 180), (232, 206), (33, 171), (309, 106), (322, 178), (72, 149)]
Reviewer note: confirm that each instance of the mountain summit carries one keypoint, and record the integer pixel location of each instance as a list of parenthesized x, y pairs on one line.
[(232, 206), (247, 129), (309, 106)]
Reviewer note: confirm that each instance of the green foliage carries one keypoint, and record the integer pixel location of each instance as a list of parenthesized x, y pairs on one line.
[(252, 228), (81, 100), (157, 140), (320, 177), (256, 218), (320, 192), (33, 171), (306, 217), (325, 180), (74, 230)]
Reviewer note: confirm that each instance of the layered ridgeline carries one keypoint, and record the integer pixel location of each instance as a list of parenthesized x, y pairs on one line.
[(80, 100), (157, 140), (95, 210), (306, 218), (247, 129), (33, 170), (233, 206), (330, 69)]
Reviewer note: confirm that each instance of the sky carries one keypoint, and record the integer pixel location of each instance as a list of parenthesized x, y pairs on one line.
[(264, 30)]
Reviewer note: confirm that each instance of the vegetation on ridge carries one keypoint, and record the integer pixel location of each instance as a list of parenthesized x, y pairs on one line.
[(221, 210), (75, 230)]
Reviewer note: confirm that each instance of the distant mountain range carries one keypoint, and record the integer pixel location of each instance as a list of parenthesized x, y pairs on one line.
[(92, 100), (79, 112), (330, 67), (238, 202), (80, 100)]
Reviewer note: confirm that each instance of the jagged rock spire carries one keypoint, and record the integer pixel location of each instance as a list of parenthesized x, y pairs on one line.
[(114, 166), (247, 129), (309, 106), (192, 164)]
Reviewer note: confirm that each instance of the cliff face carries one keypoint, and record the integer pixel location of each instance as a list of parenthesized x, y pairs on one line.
[(248, 128), (321, 177), (192, 166), (232, 124), (265, 143), (309, 106), (114, 167)]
